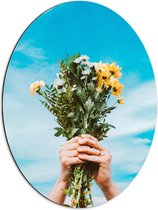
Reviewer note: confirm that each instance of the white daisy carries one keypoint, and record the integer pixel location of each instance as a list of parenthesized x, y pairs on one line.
[(82, 77), (87, 63), (81, 58), (94, 64), (74, 87), (58, 83), (94, 78), (86, 72)]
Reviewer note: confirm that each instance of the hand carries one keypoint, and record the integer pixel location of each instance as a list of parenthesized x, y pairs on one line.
[(80, 150), (90, 150), (68, 158)]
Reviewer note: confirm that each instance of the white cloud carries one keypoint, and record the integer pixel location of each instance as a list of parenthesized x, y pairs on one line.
[(29, 126), (128, 156), (139, 112), (128, 152), (28, 49), (39, 172)]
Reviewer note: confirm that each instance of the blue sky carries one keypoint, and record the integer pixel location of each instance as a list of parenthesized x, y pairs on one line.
[(94, 30)]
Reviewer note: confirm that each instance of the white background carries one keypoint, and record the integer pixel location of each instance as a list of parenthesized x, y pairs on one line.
[(15, 192)]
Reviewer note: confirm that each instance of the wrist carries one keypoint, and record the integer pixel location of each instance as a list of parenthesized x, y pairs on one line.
[(106, 185), (110, 191), (63, 182)]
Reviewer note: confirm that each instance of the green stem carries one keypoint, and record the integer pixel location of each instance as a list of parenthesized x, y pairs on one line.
[(80, 184)]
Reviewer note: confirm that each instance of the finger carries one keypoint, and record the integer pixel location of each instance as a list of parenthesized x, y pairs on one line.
[(88, 150), (91, 158), (73, 140), (91, 143), (106, 154), (71, 146), (69, 153), (88, 136), (74, 161)]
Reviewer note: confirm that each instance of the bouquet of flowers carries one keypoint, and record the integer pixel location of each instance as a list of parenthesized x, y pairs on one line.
[(78, 99)]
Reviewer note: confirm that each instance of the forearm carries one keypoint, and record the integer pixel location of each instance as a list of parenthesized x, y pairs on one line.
[(110, 191), (56, 195)]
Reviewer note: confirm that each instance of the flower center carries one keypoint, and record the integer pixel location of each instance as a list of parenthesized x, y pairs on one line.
[(114, 89)]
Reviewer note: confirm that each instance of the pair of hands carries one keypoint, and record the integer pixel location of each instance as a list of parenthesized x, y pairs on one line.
[(84, 149)]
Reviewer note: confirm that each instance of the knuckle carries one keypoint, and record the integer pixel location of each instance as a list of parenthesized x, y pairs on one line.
[(89, 136), (96, 140), (75, 153), (98, 152), (90, 149), (85, 140), (110, 154), (79, 148), (76, 138), (75, 145), (94, 158), (63, 160), (96, 144)]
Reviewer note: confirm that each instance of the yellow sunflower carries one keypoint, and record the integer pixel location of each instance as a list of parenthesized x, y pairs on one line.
[(115, 70), (103, 73), (117, 88)]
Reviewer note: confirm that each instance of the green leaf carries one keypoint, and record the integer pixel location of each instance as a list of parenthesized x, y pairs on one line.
[(65, 191), (111, 126), (72, 132), (59, 131), (89, 104), (91, 87), (78, 70), (110, 109), (71, 114), (48, 106)]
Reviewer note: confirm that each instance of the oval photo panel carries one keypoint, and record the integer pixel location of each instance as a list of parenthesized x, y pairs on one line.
[(79, 104)]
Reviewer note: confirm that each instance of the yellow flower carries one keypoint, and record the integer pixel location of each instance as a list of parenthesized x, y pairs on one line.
[(115, 70), (34, 87), (108, 74), (112, 82), (102, 69), (117, 88), (120, 100), (103, 73), (117, 74)]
